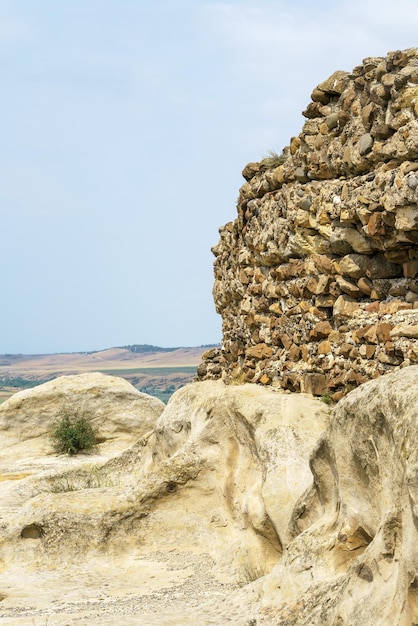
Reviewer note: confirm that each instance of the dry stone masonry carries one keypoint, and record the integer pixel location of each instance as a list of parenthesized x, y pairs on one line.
[(317, 278)]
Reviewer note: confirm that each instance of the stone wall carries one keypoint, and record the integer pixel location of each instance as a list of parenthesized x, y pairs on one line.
[(317, 278)]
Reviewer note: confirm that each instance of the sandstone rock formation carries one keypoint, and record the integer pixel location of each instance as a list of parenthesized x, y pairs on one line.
[(224, 479), (316, 279), (218, 475), (355, 559), (118, 411)]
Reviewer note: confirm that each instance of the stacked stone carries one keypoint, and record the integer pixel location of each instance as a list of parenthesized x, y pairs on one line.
[(317, 278)]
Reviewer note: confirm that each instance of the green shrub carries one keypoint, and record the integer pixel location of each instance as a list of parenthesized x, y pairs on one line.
[(326, 398), (73, 433), (273, 159)]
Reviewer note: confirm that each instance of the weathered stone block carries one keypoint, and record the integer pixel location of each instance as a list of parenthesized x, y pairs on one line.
[(321, 331), (324, 347), (383, 331), (376, 225), (345, 307), (404, 330), (390, 308), (367, 351), (348, 287), (406, 217), (315, 384)]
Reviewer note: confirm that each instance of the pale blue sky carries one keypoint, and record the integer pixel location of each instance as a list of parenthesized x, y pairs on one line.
[(125, 127)]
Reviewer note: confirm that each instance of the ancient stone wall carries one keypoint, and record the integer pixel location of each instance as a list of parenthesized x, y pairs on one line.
[(317, 278)]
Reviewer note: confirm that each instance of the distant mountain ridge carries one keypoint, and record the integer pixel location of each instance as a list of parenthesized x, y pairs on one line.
[(146, 348)]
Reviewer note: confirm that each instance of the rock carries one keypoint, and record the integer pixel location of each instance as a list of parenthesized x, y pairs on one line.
[(334, 85), (412, 181), (353, 265), (376, 225), (410, 268), (404, 330), (219, 475), (348, 287), (250, 170), (321, 330), (324, 347), (407, 218), (259, 351), (358, 525), (379, 267), (365, 285), (336, 238), (120, 413), (314, 384), (300, 174), (345, 307), (365, 144)]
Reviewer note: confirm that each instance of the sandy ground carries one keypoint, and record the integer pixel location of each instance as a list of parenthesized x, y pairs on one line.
[(141, 589), (161, 588)]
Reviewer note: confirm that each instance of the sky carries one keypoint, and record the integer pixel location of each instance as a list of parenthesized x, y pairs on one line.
[(125, 126)]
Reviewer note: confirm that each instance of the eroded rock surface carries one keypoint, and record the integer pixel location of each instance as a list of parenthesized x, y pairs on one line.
[(355, 560), (218, 476), (269, 508), (316, 279)]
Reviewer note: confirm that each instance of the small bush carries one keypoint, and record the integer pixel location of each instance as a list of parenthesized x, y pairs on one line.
[(273, 159), (326, 398), (73, 433)]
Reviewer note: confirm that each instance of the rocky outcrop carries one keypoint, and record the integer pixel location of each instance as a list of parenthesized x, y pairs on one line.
[(355, 559), (219, 475), (317, 278), (313, 516), (119, 413)]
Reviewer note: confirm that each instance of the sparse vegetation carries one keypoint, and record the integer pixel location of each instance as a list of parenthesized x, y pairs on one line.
[(326, 398), (145, 348), (273, 159), (73, 433), (94, 478), (17, 382)]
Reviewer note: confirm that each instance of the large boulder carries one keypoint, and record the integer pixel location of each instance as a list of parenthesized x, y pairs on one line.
[(355, 559), (119, 412)]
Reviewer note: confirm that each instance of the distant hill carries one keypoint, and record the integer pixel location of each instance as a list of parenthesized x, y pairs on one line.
[(144, 348), (151, 369)]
